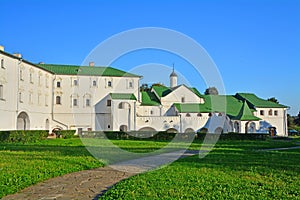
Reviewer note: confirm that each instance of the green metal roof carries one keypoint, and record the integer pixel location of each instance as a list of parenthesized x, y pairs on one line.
[(223, 103), (196, 92), (246, 114), (191, 108), (85, 70), (255, 101), (122, 96), (149, 99), (161, 90)]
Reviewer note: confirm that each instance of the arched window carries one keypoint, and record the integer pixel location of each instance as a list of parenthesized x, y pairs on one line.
[(270, 112), (210, 114), (199, 115), (58, 100), (188, 115)]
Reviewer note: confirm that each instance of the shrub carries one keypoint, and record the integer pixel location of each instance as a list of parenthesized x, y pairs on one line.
[(23, 136), (66, 134)]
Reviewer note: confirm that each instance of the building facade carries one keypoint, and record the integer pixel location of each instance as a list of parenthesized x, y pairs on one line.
[(47, 96)]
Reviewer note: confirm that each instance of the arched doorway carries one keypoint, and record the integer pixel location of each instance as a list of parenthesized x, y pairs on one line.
[(23, 122), (123, 128), (236, 127), (124, 116), (251, 128), (171, 130), (219, 130), (189, 130), (149, 129), (203, 130)]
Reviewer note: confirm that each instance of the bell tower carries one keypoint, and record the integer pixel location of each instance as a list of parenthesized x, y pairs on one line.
[(173, 78)]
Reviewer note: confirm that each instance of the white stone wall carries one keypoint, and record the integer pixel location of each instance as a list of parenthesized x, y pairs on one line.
[(24, 90), (269, 116)]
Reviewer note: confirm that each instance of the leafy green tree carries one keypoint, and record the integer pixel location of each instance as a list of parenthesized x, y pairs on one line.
[(273, 99), (211, 91), (144, 87), (297, 120)]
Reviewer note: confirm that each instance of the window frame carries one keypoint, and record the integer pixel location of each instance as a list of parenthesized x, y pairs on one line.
[(2, 63), (1, 92), (58, 84), (57, 100), (108, 102)]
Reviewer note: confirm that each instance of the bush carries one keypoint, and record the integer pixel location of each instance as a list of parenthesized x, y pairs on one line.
[(235, 136), (65, 134), (23, 136), (135, 135)]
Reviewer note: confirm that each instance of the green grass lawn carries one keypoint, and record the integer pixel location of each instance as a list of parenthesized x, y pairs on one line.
[(23, 165), (232, 169)]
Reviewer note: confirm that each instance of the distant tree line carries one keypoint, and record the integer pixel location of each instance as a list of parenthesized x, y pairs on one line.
[(294, 122)]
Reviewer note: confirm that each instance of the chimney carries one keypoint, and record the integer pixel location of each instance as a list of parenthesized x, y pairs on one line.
[(91, 64), (18, 55), (1, 48)]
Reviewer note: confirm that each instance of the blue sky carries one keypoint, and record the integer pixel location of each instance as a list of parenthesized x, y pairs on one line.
[(255, 44)]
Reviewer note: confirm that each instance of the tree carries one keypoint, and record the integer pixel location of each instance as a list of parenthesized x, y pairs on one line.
[(211, 91), (144, 87), (273, 99), (297, 119)]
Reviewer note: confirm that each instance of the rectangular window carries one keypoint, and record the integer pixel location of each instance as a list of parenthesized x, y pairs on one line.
[(30, 98), (262, 113), (39, 99), (40, 83), (109, 84), (94, 83), (46, 82), (31, 78), (108, 103), (46, 100), (2, 64), (75, 82), (1, 92), (20, 97), (182, 100), (75, 102), (276, 113), (58, 84), (130, 84), (87, 102), (21, 75)]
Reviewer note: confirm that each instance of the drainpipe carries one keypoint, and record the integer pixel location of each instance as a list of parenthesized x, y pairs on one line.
[(52, 105), (134, 116), (18, 83), (285, 122)]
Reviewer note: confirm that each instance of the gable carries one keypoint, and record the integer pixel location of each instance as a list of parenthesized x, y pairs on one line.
[(180, 93)]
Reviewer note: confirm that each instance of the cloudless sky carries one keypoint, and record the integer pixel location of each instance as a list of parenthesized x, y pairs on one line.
[(254, 43)]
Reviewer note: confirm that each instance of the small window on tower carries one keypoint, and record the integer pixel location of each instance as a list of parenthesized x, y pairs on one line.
[(108, 103), (182, 99)]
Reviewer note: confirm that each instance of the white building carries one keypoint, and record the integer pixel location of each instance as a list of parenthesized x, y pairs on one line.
[(44, 96)]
